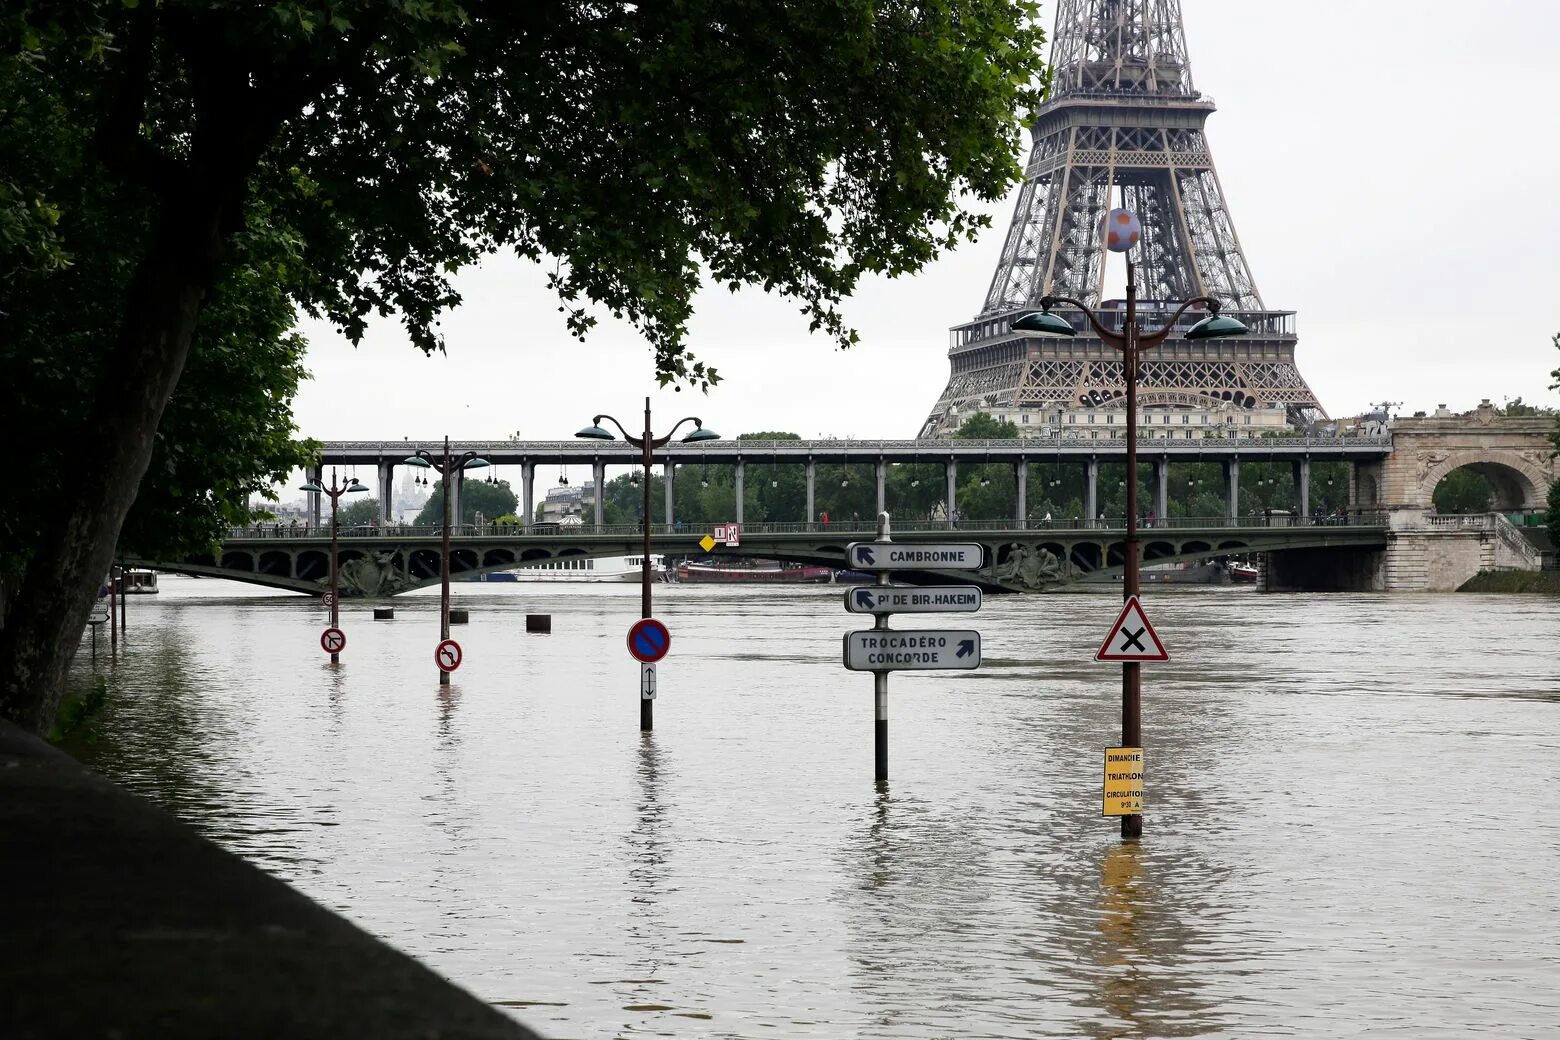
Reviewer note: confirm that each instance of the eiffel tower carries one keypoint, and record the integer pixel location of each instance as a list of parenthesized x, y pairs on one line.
[(1123, 122)]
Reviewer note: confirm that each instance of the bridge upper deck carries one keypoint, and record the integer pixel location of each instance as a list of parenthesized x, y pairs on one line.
[(834, 451)]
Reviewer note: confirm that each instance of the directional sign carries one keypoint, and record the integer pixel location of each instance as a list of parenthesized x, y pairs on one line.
[(1123, 781), (648, 640), (329, 599), (896, 556), (1132, 638), (921, 650), (447, 655), (332, 640), (98, 616), (647, 682), (885, 599)]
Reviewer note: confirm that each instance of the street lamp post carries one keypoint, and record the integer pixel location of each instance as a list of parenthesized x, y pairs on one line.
[(448, 466), (352, 486), (1131, 341), (646, 443)]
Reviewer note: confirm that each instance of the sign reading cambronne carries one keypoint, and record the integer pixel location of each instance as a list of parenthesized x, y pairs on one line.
[(891, 556), (929, 649)]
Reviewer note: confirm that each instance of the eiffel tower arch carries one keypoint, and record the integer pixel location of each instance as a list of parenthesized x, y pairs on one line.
[(1123, 125)]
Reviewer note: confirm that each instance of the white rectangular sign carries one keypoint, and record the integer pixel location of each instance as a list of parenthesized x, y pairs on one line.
[(897, 556), (887, 599), (647, 681), (729, 534), (920, 650)]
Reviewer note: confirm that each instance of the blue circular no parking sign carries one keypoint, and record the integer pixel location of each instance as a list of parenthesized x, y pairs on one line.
[(649, 640)]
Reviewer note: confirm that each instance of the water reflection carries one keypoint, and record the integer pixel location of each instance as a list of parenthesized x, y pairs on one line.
[(921, 902), (652, 936)]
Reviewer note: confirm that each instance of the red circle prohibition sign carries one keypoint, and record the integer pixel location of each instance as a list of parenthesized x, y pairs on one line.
[(333, 640), (648, 640), (447, 655)]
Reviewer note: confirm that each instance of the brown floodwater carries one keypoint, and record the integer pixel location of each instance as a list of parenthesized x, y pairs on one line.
[(1353, 823)]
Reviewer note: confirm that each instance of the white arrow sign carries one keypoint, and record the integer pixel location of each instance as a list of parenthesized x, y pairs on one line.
[(1132, 638), (896, 556), (883, 599), (647, 682), (922, 650)]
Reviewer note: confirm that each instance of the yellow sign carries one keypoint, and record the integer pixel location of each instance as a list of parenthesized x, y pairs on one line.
[(1123, 781), (706, 543)]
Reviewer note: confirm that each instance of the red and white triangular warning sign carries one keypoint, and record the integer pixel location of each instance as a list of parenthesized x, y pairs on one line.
[(1132, 638)]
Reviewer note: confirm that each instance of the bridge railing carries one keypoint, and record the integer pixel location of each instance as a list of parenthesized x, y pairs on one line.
[(848, 528)]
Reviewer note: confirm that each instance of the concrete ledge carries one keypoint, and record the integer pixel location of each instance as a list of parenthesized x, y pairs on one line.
[(121, 922)]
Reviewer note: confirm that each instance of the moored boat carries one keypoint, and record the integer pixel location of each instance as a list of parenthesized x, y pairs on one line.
[(769, 571), (596, 569)]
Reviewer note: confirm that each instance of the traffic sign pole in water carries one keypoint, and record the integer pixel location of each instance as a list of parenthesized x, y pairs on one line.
[(880, 679), (334, 493), (1122, 232), (449, 467), (647, 443)]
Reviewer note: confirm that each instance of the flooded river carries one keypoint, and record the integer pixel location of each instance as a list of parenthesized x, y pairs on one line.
[(1353, 824)]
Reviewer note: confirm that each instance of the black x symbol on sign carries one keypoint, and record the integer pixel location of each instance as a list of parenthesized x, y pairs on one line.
[(1134, 640)]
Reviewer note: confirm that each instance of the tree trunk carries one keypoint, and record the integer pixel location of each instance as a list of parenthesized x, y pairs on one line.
[(44, 619)]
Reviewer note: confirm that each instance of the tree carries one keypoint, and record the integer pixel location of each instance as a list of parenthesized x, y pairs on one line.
[(476, 496), (360, 513), (68, 246), (1554, 514), (1463, 491), (384, 145)]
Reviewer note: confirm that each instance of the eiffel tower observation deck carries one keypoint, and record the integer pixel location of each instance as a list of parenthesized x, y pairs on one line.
[(1124, 126)]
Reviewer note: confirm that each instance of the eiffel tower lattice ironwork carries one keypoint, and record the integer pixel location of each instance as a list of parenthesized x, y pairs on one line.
[(1123, 119)]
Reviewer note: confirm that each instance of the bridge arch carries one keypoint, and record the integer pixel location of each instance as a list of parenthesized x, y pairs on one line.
[(1517, 481)]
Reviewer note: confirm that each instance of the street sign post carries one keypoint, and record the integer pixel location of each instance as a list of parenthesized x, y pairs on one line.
[(333, 641), (1132, 638), (329, 599), (731, 534), (947, 599), (647, 682), (648, 641), (923, 650), (881, 650), (447, 655), (889, 556)]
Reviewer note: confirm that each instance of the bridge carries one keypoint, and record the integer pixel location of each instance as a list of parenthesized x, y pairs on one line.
[(1391, 540), (1086, 452), (1030, 558)]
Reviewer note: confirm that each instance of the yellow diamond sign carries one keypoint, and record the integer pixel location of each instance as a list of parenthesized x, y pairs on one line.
[(706, 543)]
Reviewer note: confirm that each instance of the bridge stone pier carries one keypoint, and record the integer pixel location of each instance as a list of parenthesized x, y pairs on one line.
[(1426, 552)]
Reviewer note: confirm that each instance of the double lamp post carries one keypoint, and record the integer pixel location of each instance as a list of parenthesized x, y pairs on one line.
[(334, 492), (447, 466), (1122, 232), (646, 443)]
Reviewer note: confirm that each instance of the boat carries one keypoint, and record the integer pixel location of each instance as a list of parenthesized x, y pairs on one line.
[(595, 569), (136, 583), (1243, 574), (769, 571)]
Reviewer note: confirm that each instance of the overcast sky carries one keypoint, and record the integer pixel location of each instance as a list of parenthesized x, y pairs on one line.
[(1389, 165)]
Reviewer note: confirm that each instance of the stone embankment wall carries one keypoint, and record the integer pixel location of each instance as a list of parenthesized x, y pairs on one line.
[(1546, 582)]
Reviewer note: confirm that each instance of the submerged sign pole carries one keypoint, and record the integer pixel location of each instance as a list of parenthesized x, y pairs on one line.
[(880, 678), (880, 649)]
